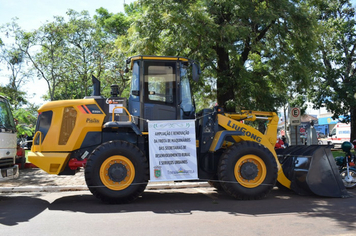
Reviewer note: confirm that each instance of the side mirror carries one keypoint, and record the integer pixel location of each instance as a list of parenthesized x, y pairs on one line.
[(195, 71)]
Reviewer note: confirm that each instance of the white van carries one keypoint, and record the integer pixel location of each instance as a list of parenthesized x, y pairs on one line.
[(339, 134), (8, 169)]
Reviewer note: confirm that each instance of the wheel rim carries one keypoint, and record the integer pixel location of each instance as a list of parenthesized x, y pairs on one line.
[(117, 172), (250, 171)]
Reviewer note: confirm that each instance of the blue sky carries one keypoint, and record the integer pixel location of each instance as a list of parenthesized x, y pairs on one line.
[(33, 13)]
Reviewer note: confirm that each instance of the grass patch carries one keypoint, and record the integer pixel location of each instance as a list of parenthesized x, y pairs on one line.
[(338, 153), (26, 151)]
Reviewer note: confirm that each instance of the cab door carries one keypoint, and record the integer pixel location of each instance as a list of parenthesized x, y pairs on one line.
[(160, 90)]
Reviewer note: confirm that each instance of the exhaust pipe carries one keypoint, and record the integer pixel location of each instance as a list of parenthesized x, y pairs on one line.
[(96, 86)]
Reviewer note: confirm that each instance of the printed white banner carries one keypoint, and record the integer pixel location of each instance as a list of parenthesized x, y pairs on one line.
[(173, 154)]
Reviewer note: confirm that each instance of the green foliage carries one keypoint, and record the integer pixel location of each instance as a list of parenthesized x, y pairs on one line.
[(113, 24), (253, 54), (336, 79), (26, 119), (48, 61), (16, 98), (256, 50), (338, 153), (66, 53), (14, 60)]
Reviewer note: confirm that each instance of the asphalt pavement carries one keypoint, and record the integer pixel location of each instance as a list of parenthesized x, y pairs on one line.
[(37, 180)]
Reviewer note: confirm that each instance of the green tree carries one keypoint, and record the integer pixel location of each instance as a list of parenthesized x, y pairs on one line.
[(16, 97), (66, 53), (112, 26), (44, 47), (15, 62), (26, 119), (336, 80), (82, 56), (254, 49)]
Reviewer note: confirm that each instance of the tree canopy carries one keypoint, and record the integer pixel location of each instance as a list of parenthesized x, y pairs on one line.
[(254, 50), (253, 54), (335, 80)]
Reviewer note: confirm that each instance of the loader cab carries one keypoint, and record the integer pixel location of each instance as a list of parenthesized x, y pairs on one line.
[(160, 89)]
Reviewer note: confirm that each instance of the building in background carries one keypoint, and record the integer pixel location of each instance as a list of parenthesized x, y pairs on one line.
[(320, 118)]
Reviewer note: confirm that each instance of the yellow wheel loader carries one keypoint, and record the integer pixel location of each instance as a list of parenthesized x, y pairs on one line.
[(156, 135)]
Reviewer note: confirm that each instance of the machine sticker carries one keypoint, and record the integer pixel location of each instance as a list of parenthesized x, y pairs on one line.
[(117, 110), (90, 109), (114, 101)]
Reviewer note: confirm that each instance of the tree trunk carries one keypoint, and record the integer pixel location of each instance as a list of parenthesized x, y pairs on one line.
[(225, 88), (353, 123)]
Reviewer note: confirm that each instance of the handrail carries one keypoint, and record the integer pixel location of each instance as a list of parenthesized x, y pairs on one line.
[(119, 107), (39, 142)]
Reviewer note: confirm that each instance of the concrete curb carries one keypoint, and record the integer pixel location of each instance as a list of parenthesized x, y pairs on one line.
[(42, 189), (150, 186)]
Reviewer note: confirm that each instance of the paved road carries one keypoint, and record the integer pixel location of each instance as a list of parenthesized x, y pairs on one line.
[(190, 211), (196, 210)]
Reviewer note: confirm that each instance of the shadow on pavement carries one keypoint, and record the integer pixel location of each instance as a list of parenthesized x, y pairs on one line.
[(26, 209), (208, 200)]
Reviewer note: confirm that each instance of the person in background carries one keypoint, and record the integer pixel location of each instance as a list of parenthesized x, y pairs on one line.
[(20, 156), (279, 143), (284, 139), (29, 142)]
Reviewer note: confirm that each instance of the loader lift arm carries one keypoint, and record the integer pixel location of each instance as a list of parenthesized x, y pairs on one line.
[(270, 117)]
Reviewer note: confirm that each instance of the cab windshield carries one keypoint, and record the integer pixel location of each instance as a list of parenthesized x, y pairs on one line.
[(6, 119)]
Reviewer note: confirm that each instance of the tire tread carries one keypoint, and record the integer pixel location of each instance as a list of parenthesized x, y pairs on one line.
[(115, 197), (225, 168)]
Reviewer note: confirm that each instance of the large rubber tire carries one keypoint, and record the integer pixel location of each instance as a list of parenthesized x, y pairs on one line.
[(343, 174), (247, 170), (116, 172)]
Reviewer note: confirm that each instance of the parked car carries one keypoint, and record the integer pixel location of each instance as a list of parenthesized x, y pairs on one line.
[(320, 134), (339, 134)]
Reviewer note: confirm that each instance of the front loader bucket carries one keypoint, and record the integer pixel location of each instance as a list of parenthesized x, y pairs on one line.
[(312, 170)]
